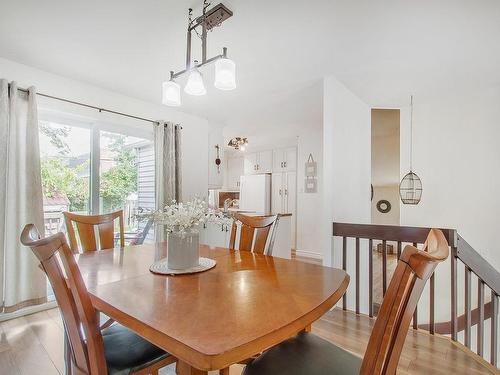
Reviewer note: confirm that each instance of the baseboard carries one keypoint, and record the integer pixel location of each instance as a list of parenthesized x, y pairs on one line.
[(308, 254), (27, 311)]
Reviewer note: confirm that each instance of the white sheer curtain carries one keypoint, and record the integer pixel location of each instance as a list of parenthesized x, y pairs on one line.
[(22, 283), (168, 171)]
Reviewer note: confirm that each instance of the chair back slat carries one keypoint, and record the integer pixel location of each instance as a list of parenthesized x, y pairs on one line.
[(261, 235), (246, 238), (400, 301), (86, 234), (254, 232), (88, 225), (79, 316)]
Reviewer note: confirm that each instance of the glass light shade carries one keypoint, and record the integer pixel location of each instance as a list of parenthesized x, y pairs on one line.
[(225, 74), (171, 93), (195, 85)]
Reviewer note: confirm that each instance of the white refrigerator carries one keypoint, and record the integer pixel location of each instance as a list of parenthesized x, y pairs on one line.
[(255, 193)]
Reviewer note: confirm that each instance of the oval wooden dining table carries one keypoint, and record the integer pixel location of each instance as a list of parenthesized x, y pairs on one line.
[(210, 320)]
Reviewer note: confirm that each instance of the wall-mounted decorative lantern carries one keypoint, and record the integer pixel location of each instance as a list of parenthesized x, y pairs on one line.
[(410, 188), (217, 159)]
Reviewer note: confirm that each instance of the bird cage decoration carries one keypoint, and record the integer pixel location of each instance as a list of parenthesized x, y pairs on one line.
[(410, 189)]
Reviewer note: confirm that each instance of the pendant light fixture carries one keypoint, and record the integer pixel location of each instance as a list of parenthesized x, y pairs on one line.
[(225, 74), (171, 91), (410, 188), (195, 85), (225, 69), (238, 143)]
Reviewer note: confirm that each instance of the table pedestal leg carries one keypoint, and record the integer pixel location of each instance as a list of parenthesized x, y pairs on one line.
[(184, 368)]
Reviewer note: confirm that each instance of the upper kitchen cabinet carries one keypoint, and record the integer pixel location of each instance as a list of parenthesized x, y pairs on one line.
[(265, 164), (258, 162), (250, 163), (285, 159), (233, 172)]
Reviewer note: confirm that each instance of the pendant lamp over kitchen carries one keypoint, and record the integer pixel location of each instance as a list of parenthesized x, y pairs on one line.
[(410, 188)]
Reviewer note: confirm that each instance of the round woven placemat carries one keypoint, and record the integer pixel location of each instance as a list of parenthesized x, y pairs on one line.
[(161, 267)]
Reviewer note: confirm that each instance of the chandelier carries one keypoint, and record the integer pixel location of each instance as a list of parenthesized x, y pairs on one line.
[(225, 69), (238, 143)]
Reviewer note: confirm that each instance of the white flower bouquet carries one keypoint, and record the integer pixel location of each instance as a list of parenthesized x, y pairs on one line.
[(183, 217)]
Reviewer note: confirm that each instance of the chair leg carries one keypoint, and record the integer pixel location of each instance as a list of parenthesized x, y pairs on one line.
[(224, 371)]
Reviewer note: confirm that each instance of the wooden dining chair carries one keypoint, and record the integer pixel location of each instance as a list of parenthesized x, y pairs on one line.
[(309, 354), (88, 225), (113, 351), (254, 233)]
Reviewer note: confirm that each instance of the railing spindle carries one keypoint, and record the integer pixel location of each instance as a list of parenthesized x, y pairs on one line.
[(467, 306), (384, 266), (357, 275), (344, 267), (453, 321), (431, 305), (494, 328), (370, 278), (480, 324), (415, 314)]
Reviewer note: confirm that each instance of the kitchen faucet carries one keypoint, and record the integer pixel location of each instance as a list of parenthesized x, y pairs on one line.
[(228, 202)]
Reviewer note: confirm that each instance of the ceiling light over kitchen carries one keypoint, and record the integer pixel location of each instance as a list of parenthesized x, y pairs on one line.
[(238, 143)]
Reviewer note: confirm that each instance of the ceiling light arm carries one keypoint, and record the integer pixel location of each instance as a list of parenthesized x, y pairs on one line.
[(223, 55)]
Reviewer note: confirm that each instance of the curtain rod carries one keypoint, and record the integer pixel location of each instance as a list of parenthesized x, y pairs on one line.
[(92, 106)]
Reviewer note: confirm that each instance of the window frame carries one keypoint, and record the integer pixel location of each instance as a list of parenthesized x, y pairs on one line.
[(96, 126)]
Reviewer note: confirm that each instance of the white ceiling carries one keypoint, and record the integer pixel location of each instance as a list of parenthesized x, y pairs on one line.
[(381, 50)]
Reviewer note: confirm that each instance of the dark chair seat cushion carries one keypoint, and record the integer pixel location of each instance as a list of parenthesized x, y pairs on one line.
[(127, 352), (305, 354)]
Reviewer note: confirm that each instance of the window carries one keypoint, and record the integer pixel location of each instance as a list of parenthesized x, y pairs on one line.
[(122, 179), (126, 176), (65, 167)]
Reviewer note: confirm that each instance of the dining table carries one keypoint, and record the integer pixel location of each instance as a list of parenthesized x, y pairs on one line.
[(244, 305)]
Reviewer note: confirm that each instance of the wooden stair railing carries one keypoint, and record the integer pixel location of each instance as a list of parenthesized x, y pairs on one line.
[(487, 275)]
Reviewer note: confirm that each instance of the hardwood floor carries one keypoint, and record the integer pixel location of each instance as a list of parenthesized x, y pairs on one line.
[(34, 345)]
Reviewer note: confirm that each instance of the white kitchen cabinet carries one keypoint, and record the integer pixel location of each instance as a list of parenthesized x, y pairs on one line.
[(277, 194), (258, 162), (250, 163), (215, 235), (265, 162), (284, 197), (235, 169), (285, 159)]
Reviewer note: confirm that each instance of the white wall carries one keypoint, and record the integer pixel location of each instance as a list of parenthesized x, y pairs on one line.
[(456, 155), (309, 236), (391, 194), (195, 129), (216, 175), (347, 175)]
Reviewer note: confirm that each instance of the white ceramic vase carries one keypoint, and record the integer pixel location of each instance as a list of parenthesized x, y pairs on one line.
[(183, 250)]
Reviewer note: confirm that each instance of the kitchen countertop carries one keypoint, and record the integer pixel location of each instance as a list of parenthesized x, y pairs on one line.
[(252, 213)]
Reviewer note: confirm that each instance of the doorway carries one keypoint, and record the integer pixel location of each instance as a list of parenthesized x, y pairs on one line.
[(385, 205)]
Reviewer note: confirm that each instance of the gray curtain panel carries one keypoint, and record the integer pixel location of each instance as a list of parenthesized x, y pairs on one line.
[(22, 283), (168, 169)]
